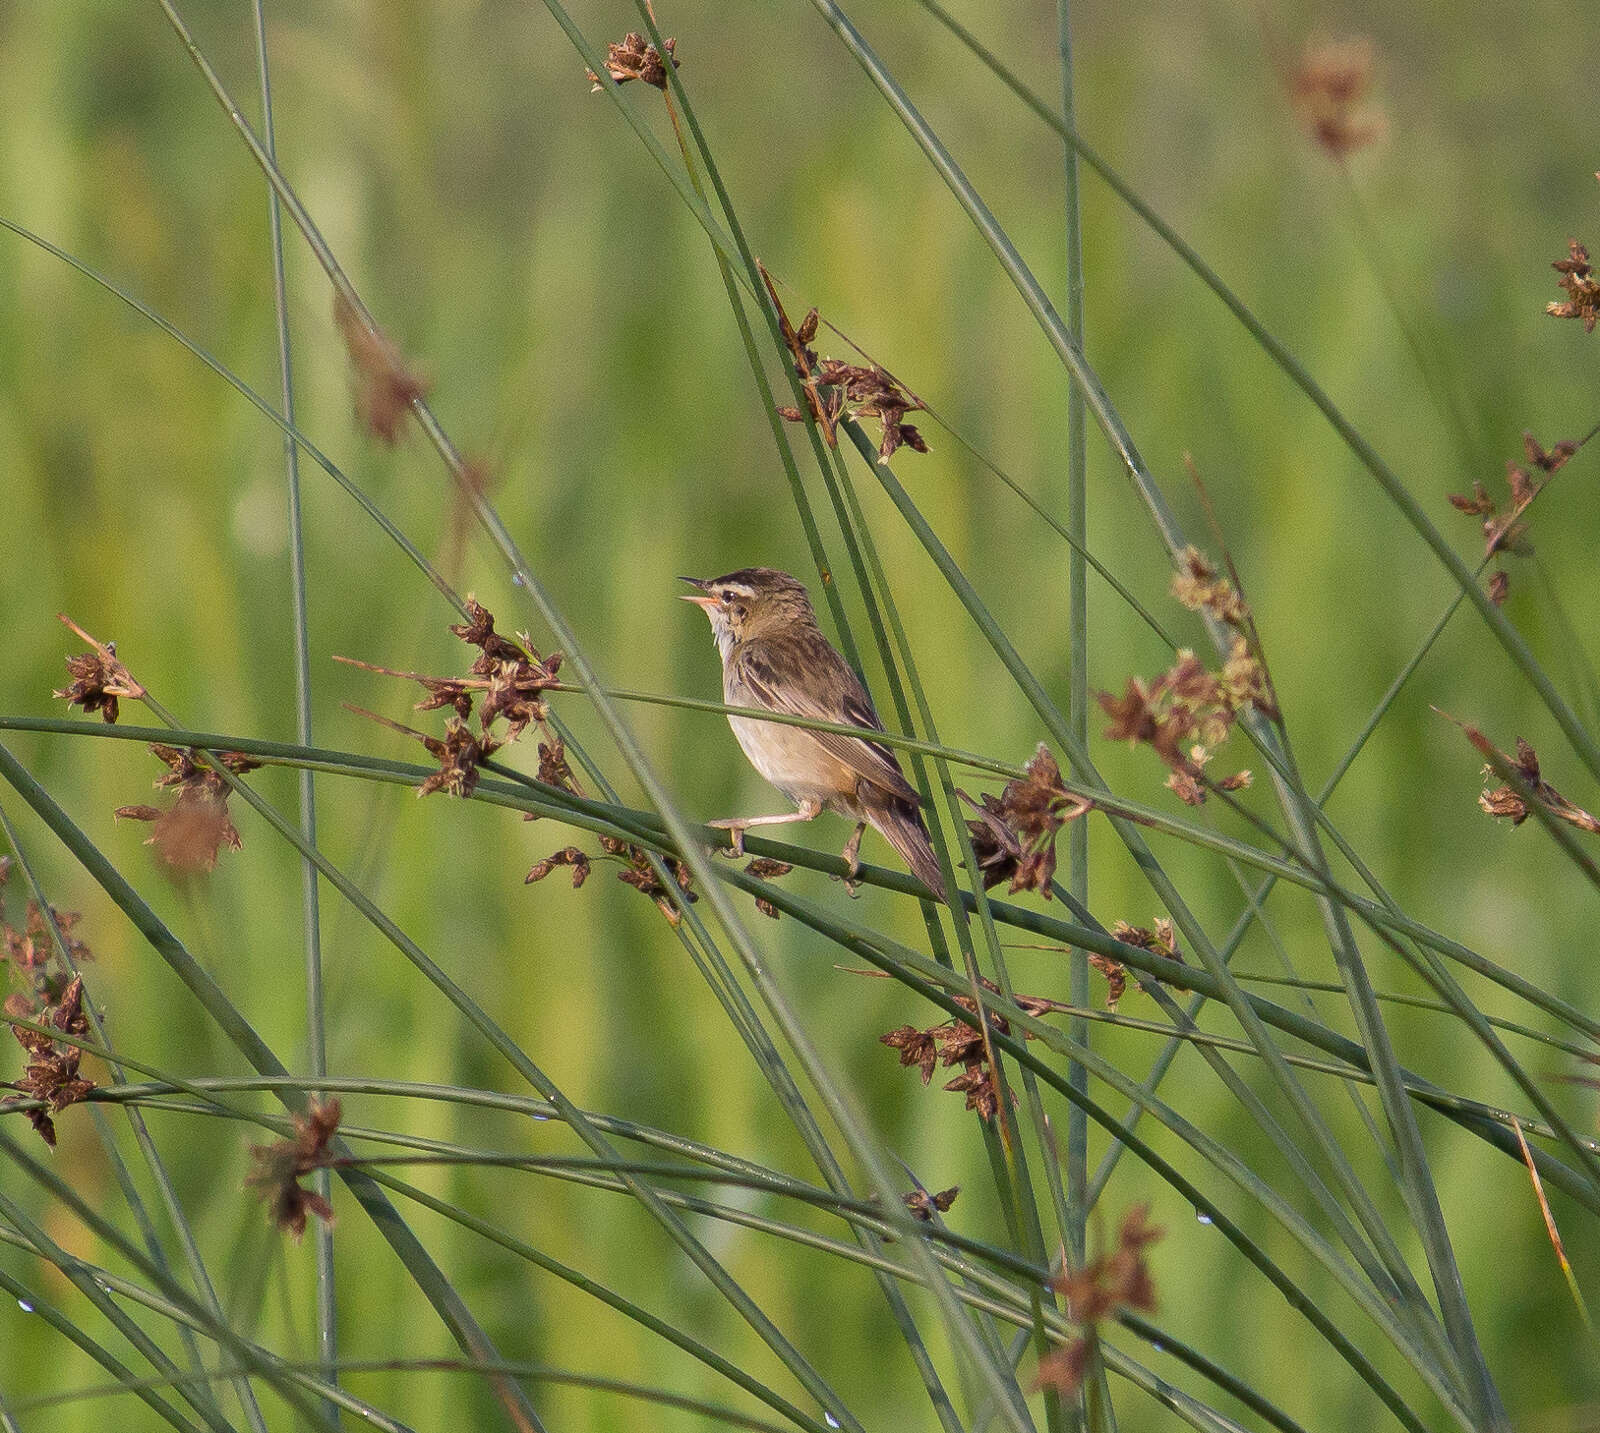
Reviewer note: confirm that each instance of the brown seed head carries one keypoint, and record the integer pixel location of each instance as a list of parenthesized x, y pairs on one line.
[(1330, 89), (385, 388), (1117, 1280), (1116, 975), (976, 1082), (1582, 288), (1062, 1368), (640, 874), (554, 769), (190, 833), (1187, 712), (633, 58), (567, 856), (1511, 803), (834, 388), (768, 870), (52, 1074), (1197, 585), (459, 755), (514, 674), (1480, 504), (280, 1166), (957, 1042), (916, 1048), (924, 1206), (871, 392), (1014, 835), (98, 678), (1550, 461)]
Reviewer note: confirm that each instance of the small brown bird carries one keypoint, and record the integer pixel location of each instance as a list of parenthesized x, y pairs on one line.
[(775, 656)]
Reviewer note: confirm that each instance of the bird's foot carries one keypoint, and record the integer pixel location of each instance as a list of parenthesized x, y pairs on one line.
[(851, 884), (852, 863), (735, 830)]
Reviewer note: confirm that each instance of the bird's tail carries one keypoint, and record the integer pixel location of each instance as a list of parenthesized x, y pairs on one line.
[(900, 824)]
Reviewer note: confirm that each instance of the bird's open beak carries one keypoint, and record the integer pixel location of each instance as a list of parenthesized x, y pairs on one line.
[(699, 599)]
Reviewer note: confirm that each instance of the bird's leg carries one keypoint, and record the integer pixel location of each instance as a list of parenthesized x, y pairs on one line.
[(738, 825), (852, 857)]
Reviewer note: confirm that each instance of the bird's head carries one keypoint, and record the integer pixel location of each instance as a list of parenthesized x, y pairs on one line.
[(753, 602)]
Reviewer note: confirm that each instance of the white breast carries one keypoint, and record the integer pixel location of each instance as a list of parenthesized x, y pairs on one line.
[(789, 757)]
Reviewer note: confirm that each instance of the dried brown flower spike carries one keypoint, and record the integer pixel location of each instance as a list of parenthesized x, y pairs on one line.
[(1159, 939), (385, 387), (1186, 713), (1330, 89), (1118, 1280), (52, 1074), (567, 856), (1198, 587), (871, 392), (768, 870), (30, 949), (924, 1206), (1555, 459), (1582, 288), (279, 1167), (635, 59), (957, 1043), (514, 674), (637, 872), (511, 678), (98, 678), (1508, 803), (460, 753), (554, 768), (1116, 975), (1504, 532), (191, 832), (835, 388), (1014, 835)]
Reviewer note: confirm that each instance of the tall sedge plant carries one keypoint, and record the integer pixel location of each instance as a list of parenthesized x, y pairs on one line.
[(1049, 1306)]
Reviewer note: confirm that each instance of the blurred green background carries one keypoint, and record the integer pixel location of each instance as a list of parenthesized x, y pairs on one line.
[(516, 240)]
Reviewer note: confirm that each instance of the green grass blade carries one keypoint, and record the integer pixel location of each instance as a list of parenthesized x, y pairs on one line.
[(1077, 619), (408, 1248), (843, 1111), (316, 1033), (35, 1303), (142, 1137), (1516, 648), (73, 1270)]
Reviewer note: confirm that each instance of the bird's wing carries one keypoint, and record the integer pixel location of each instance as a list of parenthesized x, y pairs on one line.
[(871, 760)]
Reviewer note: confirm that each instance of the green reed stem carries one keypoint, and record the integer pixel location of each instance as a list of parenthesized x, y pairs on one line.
[(1078, 664), (311, 928)]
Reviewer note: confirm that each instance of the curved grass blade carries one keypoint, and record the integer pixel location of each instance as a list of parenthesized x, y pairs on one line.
[(841, 1106), (416, 1259), (142, 1137), (126, 1378), (1581, 740)]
